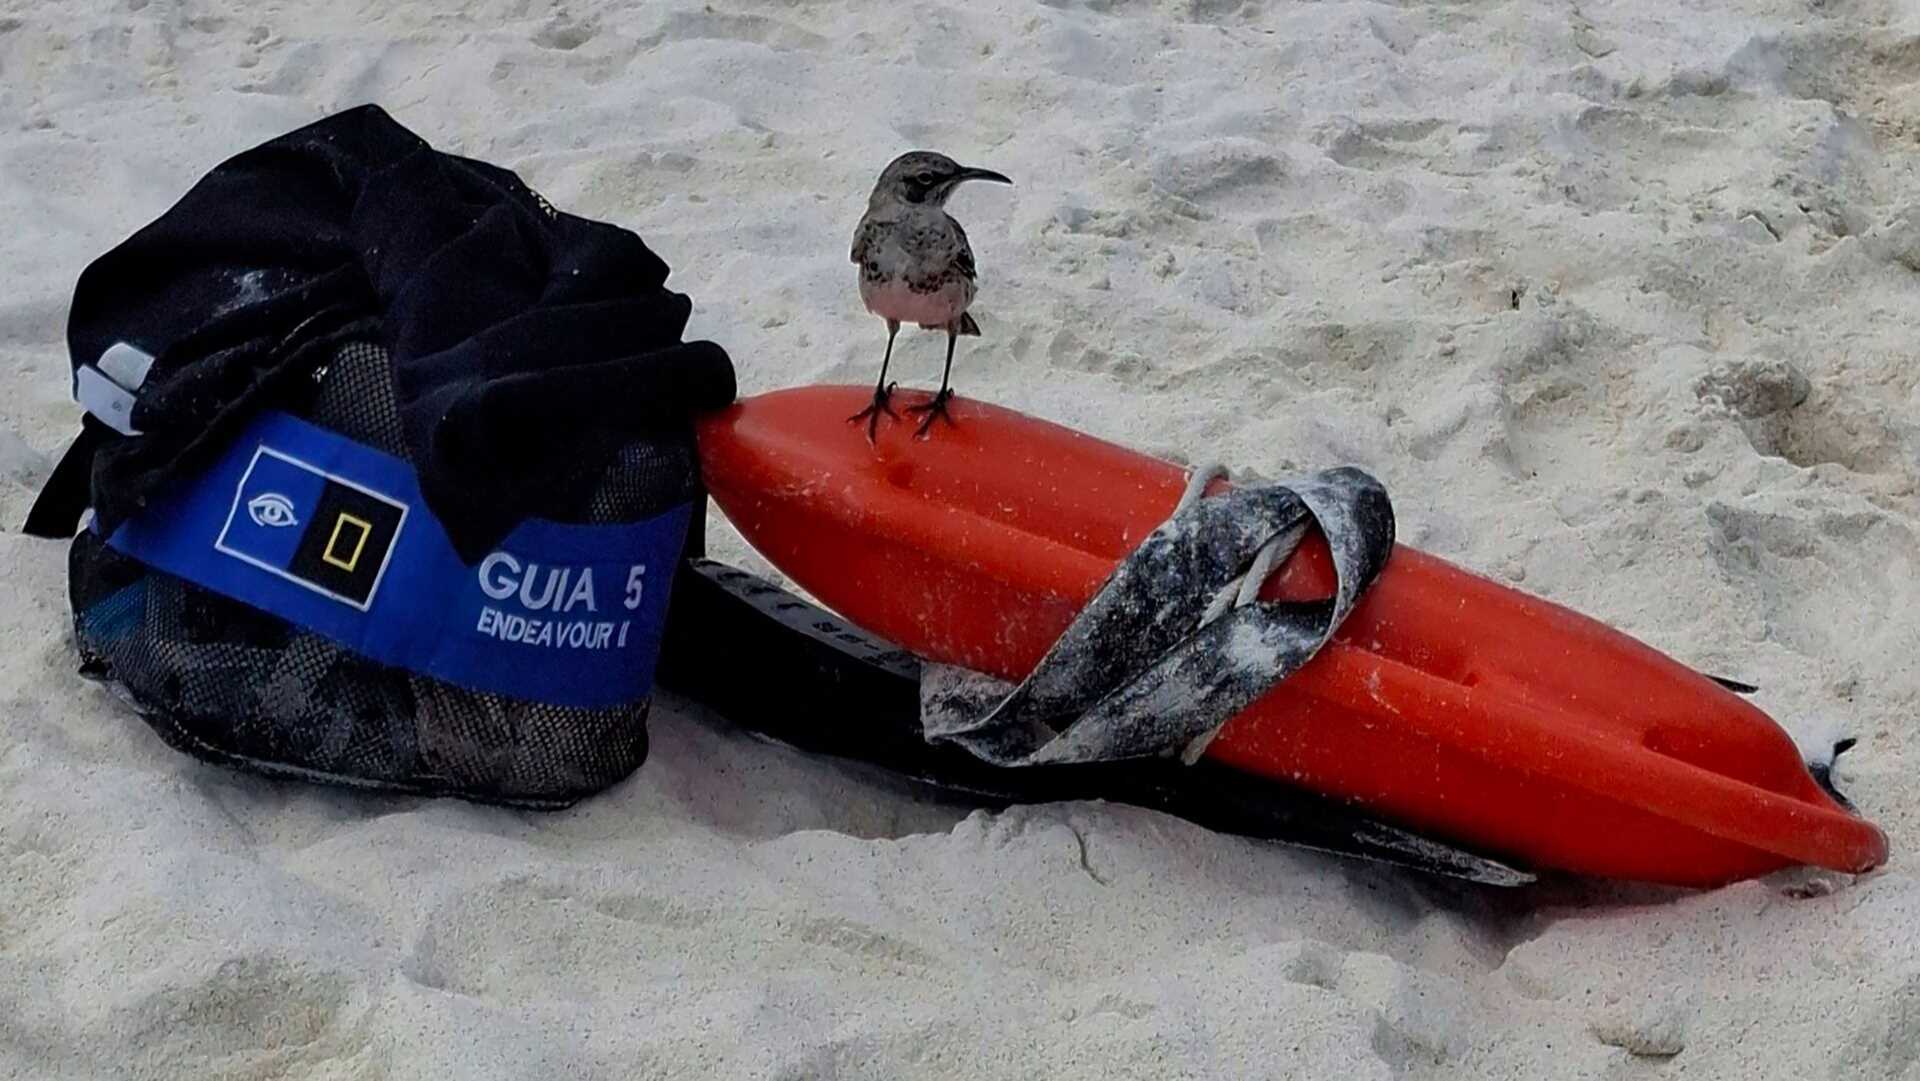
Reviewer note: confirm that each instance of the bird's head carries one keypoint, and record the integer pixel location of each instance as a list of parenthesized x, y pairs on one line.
[(922, 176)]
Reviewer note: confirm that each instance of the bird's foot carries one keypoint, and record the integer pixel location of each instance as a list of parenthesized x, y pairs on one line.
[(937, 407), (871, 414)]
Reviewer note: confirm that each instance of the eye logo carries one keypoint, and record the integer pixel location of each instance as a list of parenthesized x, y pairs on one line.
[(271, 509)]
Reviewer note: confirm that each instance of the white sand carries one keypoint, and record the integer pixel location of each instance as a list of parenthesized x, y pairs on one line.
[(1619, 301)]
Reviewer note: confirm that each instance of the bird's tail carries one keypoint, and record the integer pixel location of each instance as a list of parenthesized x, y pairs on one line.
[(967, 326)]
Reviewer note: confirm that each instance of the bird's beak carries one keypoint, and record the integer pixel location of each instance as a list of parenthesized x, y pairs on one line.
[(981, 174)]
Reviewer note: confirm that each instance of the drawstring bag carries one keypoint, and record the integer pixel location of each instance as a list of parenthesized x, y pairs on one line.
[(387, 469)]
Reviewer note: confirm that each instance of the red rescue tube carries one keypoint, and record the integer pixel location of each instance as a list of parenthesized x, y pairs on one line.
[(1447, 702)]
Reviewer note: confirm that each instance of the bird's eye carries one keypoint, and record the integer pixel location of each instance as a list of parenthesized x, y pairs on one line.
[(926, 179)]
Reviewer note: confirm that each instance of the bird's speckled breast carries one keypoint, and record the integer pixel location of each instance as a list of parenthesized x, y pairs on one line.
[(897, 298), (915, 268)]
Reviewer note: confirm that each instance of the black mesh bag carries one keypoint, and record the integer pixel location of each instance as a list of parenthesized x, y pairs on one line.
[(389, 415)]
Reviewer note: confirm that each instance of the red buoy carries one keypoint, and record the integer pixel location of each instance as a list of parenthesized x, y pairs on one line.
[(1446, 702)]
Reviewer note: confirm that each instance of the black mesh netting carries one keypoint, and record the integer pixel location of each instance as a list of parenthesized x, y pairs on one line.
[(228, 683)]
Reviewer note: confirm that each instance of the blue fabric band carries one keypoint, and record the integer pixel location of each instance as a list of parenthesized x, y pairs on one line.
[(334, 537)]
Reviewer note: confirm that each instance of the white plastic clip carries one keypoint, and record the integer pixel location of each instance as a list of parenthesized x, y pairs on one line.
[(109, 387)]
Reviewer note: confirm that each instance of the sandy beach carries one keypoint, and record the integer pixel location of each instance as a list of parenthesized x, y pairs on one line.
[(1620, 300)]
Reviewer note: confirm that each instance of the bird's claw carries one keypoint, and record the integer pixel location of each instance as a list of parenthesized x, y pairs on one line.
[(937, 407), (871, 414)]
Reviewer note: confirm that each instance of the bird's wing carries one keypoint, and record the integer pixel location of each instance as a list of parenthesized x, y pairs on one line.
[(963, 258)]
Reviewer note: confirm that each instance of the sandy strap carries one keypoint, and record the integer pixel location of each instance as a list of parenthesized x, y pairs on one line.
[(1176, 641)]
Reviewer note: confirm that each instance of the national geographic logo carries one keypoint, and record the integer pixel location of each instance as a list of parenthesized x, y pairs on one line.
[(325, 532)]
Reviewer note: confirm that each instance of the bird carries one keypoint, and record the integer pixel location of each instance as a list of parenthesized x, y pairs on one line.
[(917, 267)]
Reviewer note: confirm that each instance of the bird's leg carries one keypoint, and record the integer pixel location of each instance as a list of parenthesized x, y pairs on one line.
[(938, 406), (881, 391)]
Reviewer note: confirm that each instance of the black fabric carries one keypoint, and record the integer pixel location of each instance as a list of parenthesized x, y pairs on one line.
[(525, 362), (67, 492), (523, 339)]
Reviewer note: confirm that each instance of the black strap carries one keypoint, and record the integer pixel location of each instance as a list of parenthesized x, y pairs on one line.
[(69, 488), (826, 687)]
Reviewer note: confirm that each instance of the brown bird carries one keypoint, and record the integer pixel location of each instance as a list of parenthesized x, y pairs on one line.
[(916, 266)]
